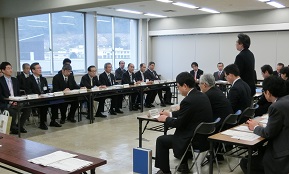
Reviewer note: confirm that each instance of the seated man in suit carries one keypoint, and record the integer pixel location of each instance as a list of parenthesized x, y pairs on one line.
[(219, 75), (240, 93), (266, 71), (196, 72), (151, 94), (9, 86), (152, 75), (275, 156), (278, 68), (90, 80), (194, 109), (64, 82), (129, 78), (107, 78), (119, 71), (22, 77), (37, 84), (285, 76), (221, 106)]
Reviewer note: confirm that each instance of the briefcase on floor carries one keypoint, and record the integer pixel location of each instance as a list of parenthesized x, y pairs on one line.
[(5, 122)]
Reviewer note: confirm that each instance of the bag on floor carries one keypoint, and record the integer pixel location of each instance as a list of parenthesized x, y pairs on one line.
[(5, 122)]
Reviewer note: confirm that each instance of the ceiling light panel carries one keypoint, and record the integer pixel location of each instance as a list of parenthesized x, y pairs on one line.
[(155, 15), (208, 10), (165, 1), (185, 5), (129, 11), (275, 4)]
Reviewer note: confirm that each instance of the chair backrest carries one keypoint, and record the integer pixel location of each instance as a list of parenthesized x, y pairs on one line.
[(231, 119), (246, 114), (206, 128)]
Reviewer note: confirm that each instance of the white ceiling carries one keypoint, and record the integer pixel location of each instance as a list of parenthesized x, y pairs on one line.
[(156, 7)]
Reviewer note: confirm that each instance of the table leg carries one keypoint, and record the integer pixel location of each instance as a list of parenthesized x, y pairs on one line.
[(211, 158), (92, 171), (140, 133), (249, 160), (141, 99), (90, 98), (18, 119)]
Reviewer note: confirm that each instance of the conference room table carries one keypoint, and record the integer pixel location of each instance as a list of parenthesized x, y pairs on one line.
[(16, 152)]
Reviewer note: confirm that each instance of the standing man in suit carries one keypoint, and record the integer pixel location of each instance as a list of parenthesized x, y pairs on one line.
[(64, 82), (22, 77), (240, 93), (151, 94), (278, 68), (194, 109), (38, 85), (119, 71), (275, 158), (221, 106), (9, 86), (152, 75), (107, 78), (245, 61), (89, 81)]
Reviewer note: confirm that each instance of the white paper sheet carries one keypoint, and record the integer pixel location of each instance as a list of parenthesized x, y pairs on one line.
[(70, 164), (243, 128), (52, 158), (241, 135)]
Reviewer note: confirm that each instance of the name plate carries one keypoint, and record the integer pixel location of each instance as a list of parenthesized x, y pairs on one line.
[(32, 96), (95, 88), (82, 90), (143, 83), (125, 85), (156, 82), (58, 93)]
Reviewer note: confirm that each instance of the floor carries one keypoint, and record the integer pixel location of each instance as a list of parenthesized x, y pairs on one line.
[(111, 138)]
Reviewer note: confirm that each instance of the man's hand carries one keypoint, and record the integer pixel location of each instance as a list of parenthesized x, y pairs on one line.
[(83, 87), (251, 124), (165, 113), (162, 118), (66, 89)]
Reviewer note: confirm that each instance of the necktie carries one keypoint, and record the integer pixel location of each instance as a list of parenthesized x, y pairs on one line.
[(10, 86), (109, 79), (142, 76), (65, 79), (219, 74), (39, 84), (91, 82), (195, 74), (130, 76)]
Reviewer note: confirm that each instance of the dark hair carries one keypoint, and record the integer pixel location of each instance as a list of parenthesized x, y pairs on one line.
[(194, 63), (4, 64), (150, 63), (275, 85), (186, 78), (141, 65), (67, 67), (220, 63), (267, 68), (106, 64), (24, 64), (120, 62), (32, 66), (280, 64), (128, 65), (89, 68), (66, 60), (232, 69), (245, 40), (285, 70)]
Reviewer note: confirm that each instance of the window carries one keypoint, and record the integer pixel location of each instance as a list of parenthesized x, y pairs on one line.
[(49, 38), (118, 38)]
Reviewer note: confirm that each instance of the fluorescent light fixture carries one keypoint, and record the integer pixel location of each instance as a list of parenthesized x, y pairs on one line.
[(165, 1), (67, 16), (275, 4), (263, 0), (155, 15), (208, 10), (31, 20), (129, 11), (185, 5), (100, 20)]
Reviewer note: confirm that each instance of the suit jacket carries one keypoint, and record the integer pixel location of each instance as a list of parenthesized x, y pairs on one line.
[(275, 73), (152, 75), (138, 76), (194, 109), (103, 79), (33, 85), (118, 73), (263, 106), (199, 73), (4, 91), (59, 83), (126, 78), (221, 106), (221, 77), (22, 81), (245, 61), (276, 156), (85, 81), (240, 95)]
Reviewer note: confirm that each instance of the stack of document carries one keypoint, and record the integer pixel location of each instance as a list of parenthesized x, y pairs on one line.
[(241, 135), (61, 160)]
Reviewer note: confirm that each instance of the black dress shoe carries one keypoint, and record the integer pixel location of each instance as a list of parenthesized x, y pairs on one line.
[(43, 126), (72, 120), (55, 124), (169, 103), (100, 115), (134, 108), (23, 130), (89, 118), (184, 168), (161, 172), (112, 112), (163, 104), (62, 121), (14, 131), (119, 111), (147, 105)]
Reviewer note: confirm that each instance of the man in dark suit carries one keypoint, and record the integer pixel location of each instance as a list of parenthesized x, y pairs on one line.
[(285, 76), (64, 82), (266, 71), (245, 61), (89, 81), (152, 75), (64, 62), (22, 77), (107, 78), (275, 158), (37, 84), (278, 68), (119, 71), (194, 109), (196, 72), (220, 75), (9, 86), (151, 94), (221, 106), (240, 93)]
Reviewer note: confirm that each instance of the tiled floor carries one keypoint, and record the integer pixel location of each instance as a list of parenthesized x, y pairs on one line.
[(111, 138)]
